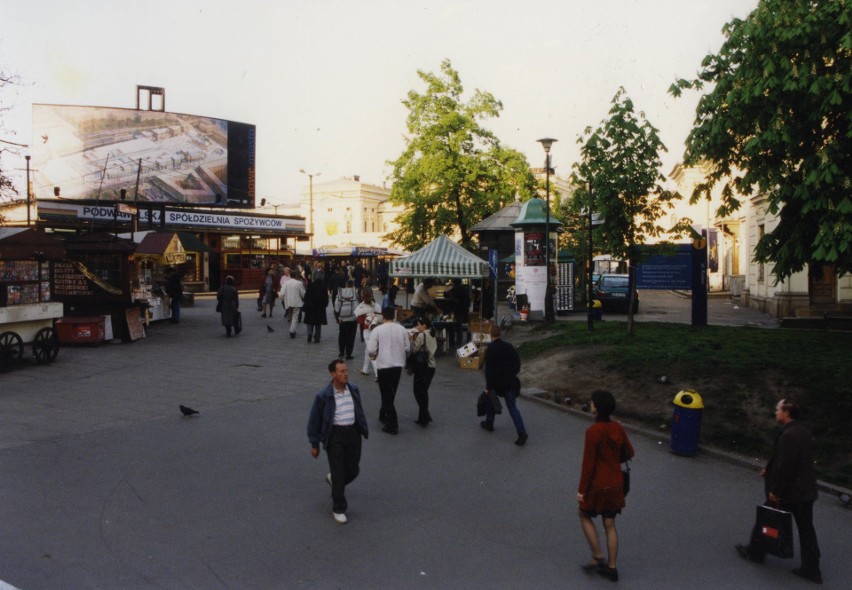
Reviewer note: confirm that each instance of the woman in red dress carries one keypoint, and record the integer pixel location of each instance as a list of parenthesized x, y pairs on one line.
[(601, 489)]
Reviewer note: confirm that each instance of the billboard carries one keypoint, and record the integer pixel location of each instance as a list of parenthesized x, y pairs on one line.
[(94, 152)]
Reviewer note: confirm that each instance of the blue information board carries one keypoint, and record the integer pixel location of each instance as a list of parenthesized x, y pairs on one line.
[(666, 271)]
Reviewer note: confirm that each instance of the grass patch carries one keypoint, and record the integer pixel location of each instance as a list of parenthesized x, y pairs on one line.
[(740, 373)]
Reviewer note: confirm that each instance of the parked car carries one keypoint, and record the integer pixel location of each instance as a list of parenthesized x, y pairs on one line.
[(613, 292)]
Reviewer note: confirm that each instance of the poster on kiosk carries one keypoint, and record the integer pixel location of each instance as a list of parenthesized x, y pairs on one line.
[(530, 269)]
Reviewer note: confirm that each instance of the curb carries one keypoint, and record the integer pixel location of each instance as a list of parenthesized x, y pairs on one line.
[(532, 394)]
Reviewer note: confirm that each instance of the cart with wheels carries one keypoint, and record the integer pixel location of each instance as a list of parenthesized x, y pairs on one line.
[(27, 313), (28, 324)]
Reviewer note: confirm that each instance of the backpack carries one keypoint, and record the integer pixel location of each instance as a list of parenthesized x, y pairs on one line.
[(345, 305)]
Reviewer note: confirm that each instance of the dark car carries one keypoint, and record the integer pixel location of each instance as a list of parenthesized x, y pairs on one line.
[(613, 292)]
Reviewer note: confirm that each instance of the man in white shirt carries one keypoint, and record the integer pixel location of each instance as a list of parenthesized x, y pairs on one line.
[(337, 422), (388, 346), (293, 296)]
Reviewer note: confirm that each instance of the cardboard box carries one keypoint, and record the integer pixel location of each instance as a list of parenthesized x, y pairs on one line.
[(480, 338), (467, 350), (403, 314), (471, 362)]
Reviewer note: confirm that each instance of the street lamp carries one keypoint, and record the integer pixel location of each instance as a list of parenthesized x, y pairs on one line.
[(548, 289), (29, 193), (311, 204)]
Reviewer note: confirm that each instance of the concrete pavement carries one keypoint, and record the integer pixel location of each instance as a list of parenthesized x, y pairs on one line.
[(104, 485)]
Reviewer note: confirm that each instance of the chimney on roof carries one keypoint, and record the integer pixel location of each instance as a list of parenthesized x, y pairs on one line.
[(356, 177)]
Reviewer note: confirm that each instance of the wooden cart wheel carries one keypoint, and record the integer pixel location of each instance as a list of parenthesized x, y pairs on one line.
[(45, 346), (11, 350)]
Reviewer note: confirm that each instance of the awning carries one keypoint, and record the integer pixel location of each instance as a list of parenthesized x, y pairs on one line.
[(191, 243), (163, 247), (442, 258), (21, 243)]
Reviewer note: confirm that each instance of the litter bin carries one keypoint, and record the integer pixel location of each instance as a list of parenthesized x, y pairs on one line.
[(686, 423), (597, 310)]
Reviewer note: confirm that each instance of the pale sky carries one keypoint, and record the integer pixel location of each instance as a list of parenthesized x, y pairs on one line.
[(323, 80)]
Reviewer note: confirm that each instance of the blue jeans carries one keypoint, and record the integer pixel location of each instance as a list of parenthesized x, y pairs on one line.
[(510, 396)]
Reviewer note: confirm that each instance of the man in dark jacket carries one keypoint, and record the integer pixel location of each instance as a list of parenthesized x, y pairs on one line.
[(502, 365), (337, 421), (790, 484)]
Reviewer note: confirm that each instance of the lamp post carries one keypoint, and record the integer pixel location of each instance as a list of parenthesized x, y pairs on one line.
[(311, 204), (548, 288), (29, 193)]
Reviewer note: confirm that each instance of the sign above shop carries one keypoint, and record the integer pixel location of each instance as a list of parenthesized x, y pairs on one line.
[(174, 218)]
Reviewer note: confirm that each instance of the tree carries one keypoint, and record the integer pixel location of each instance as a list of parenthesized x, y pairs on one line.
[(618, 176), (776, 122), (453, 172), (7, 187)]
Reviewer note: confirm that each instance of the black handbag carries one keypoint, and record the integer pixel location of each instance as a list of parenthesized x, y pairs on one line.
[(238, 323), (485, 398), (775, 528)]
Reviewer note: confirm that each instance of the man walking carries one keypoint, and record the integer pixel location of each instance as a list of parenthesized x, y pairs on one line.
[(790, 485), (337, 421), (502, 365), (388, 346), (293, 297)]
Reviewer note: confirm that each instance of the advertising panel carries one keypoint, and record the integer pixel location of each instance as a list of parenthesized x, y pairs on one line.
[(92, 153)]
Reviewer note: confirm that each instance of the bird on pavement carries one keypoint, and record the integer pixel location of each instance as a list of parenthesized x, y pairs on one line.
[(187, 411), (269, 328)]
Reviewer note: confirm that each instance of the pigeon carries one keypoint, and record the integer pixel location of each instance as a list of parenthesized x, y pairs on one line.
[(269, 328), (187, 411)]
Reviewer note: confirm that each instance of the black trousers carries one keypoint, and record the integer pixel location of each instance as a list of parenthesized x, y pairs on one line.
[(422, 379), (388, 384), (344, 458), (803, 513), (346, 337)]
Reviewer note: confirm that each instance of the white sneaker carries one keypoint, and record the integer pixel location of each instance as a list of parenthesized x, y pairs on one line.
[(339, 518), (328, 478)]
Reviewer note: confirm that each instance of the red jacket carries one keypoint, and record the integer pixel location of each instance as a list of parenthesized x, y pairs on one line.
[(601, 482)]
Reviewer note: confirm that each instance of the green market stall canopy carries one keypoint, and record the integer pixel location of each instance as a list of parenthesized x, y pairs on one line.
[(441, 258)]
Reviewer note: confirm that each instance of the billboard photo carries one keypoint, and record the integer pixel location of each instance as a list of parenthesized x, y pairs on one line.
[(94, 152)]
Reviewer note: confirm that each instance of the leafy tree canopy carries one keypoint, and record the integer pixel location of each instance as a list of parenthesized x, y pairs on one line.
[(776, 122), (453, 172), (618, 176)]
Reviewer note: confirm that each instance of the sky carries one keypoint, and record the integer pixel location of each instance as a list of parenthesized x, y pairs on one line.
[(324, 80)]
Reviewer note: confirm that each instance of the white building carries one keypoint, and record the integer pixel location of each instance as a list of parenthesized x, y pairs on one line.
[(347, 212), (798, 295)]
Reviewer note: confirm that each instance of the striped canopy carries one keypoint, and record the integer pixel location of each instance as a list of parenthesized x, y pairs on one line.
[(442, 258)]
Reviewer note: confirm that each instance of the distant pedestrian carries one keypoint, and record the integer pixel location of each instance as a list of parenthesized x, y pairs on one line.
[(228, 302), (315, 306), (790, 485), (268, 296), (293, 297), (388, 347), (369, 315), (601, 488), (422, 302), (174, 289), (337, 421), (344, 313), (502, 365), (423, 341)]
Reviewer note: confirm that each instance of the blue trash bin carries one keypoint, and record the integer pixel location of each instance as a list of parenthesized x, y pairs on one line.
[(686, 423)]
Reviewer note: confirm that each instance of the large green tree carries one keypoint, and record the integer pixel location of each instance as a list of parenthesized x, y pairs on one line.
[(453, 171), (776, 121), (618, 176)]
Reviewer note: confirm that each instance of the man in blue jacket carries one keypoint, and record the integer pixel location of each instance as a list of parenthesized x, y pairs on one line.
[(338, 422)]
